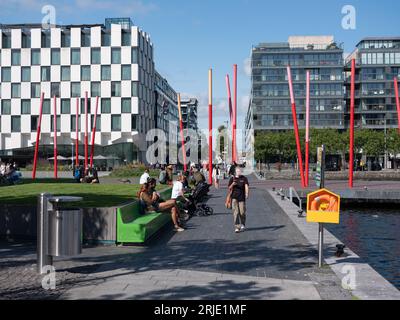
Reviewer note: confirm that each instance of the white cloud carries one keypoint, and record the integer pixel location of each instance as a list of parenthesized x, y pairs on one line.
[(247, 67)]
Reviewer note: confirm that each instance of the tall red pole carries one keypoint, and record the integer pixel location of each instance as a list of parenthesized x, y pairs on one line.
[(94, 133), (307, 127), (210, 128), (228, 89), (77, 132), (38, 136), (234, 147), (86, 130), (396, 90), (296, 127), (55, 137), (352, 97), (181, 133)]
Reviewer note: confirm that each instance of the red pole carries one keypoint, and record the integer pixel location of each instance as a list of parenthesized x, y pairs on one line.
[(307, 127), (352, 94), (396, 90), (77, 132), (181, 133), (210, 127), (38, 137), (94, 133), (296, 127), (86, 130), (234, 112), (55, 137), (228, 89)]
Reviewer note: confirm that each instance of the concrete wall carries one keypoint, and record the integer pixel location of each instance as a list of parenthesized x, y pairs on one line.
[(20, 222)]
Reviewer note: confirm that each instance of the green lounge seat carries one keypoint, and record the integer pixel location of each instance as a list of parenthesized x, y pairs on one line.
[(132, 227)]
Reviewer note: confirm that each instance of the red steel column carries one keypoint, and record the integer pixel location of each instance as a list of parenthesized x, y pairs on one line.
[(38, 136), (296, 127), (352, 97), (94, 133), (234, 150), (210, 128), (228, 89), (55, 137), (396, 90), (181, 133), (86, 130), (77, 132), (307, 127)]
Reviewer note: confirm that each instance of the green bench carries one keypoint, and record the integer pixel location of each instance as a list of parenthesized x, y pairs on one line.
[(132, 227)]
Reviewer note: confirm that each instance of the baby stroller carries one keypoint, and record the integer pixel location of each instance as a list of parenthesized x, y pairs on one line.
[(195, 207)]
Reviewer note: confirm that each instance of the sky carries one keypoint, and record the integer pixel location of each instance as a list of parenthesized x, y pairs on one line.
[(191, 36)]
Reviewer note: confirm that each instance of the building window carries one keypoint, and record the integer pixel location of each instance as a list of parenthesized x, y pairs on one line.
[(15, 57), (115, 55), (55, 89), (95, 56), (115, 89), (95, 89), (58, 124), (135, 88), (6, 40), (65, 106), (35, 90), (134, 122), (55, 56), (75, 56), (25, 106), (35, 57), (65, 73), (46, 106), (65, 39), (6, 74), (15, 123), (126, 105), (15, 90), (26, 74), (83, 111), (98, 122), (105, 39), (135, 55), (126, 72), (5, 106), (85, 39), (75, 89), (126, 38), (115, 122), (85, 73), (46, 39), (34, 123), (26, 40), (106, 105), (45, 73), (105, 72), (73, 123)]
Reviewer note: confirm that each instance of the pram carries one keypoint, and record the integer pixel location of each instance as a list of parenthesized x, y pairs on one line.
[(195, 207)]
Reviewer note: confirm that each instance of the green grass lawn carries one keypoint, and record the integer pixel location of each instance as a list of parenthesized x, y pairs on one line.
[(94, 196)]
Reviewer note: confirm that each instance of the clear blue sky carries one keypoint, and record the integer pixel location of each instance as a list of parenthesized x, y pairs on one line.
[(192, 35)]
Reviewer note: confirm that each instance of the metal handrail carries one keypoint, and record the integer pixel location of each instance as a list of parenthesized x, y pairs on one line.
[(292, 193)]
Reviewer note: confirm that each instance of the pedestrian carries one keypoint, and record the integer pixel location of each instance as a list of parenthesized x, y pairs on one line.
[(215, 175), (145, 176), (170, 174), (239, 193)]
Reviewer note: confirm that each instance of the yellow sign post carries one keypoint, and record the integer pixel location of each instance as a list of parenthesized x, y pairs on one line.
[(323, 206)]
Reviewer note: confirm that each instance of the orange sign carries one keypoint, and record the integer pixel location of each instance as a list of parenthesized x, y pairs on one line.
[(323, 206)]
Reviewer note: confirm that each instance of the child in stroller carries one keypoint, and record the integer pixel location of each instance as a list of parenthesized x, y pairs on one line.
[(195, 206)]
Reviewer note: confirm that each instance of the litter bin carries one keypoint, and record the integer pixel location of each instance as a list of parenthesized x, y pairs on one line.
[(59, 229)]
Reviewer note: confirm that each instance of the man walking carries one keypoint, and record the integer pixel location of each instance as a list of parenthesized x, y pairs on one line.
[(239, 189)]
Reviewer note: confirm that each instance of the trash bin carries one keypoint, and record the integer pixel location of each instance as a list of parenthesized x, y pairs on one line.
[(65, 233)]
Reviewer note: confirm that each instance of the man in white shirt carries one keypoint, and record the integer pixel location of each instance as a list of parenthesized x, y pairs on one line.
[(144, 177), (177, 189)]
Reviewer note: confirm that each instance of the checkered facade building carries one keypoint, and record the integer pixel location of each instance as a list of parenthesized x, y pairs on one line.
[(112, 61)]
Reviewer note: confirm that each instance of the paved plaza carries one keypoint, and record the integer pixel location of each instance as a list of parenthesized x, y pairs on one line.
[(270, 260)]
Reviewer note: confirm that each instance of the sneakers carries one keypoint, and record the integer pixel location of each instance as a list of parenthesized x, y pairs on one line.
[(242, 227), (178, 229), (237, 230)]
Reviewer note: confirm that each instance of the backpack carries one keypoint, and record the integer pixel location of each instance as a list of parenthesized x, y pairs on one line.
[(163, 177), (77, 174)]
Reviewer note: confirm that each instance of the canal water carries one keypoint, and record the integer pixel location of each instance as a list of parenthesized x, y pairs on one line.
[(374, 235)]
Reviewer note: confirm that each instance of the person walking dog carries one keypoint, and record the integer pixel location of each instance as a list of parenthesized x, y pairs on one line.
[(239, 193)]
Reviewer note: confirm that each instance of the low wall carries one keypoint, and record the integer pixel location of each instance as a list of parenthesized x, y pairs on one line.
[(20, 222)]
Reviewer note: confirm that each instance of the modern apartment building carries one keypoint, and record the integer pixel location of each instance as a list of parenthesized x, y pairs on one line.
[(189, 113), (377, 64), (112, 61), (270, 107)]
